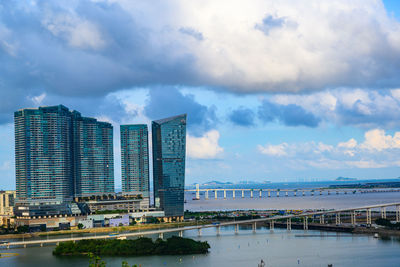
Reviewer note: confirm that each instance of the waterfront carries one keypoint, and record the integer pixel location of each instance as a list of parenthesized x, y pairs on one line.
[(278, 248)]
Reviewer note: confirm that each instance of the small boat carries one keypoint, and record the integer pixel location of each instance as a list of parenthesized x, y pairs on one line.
[(376, 235), (121, 238), (113, 234)]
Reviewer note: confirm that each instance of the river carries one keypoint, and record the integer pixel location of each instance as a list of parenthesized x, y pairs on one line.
[(277, 248)]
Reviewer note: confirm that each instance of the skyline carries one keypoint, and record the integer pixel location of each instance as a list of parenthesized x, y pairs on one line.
[(287, 90)]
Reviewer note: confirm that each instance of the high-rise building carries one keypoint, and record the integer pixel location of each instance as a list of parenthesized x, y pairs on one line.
[(43, 154), (59, 154), (93, 156), (135, 160), (169, 150)]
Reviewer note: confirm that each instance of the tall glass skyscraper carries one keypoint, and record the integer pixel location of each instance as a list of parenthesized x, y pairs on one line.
[(43, 155), (135, 160), (59, 154), (93, 156), (169, 150)]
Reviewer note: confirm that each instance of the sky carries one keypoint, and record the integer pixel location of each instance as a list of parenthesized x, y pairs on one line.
[(276, 90)]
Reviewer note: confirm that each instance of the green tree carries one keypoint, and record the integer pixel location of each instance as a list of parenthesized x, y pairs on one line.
[(95, 261), (80, 226)]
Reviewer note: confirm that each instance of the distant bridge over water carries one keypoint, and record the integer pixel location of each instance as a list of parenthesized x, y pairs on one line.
[(252, 193), (339, 215)]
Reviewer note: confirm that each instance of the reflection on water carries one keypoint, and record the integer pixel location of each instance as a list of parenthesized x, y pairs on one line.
[(278, 248)]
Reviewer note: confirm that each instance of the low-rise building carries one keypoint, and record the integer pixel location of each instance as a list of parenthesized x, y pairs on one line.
[(7, 200)]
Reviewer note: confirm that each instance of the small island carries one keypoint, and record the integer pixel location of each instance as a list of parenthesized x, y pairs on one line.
[(137, 247)]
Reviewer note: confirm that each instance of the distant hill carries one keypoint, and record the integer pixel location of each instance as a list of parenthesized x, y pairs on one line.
[(217, 183), (345, 179)]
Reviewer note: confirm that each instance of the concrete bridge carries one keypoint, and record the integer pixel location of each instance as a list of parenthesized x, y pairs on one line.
[(338, 214), (240, 192)]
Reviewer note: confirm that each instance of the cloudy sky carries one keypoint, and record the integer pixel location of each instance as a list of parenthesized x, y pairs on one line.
[(280, 90)]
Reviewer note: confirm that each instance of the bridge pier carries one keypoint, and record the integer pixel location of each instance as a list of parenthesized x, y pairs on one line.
[(24, 245), (180, 233), (251, 193), (369, 220), (206, 195), (233, 193), (242, 193), (260, 193), (320, 192), (277, 193), (383, 212), (215, 194), (218, 230), (269, 193), (199, 232), (224, 193), (271, 225), (353, 218), (322, 219), (295, 193), (236, 228), (337, 192), (254, 226), (197, 191), (329, 192), (303, 193), (305, 223), (397, 213), (337, 217), (289, 224), (41, 244), (161, 235), (287, 193), (312, 193)]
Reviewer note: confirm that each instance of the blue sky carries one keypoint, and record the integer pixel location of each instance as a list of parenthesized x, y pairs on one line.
[(274, 90)]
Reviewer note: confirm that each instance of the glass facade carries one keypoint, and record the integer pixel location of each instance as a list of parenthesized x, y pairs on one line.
[(135, 160), (169, 150), (43, 155), (49, 152), (93, 156)]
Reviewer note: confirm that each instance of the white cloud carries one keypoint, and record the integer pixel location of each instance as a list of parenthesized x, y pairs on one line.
[(377, 150), (377, 140), (274, 150), (37, 100), (204, 147), (78, 32)]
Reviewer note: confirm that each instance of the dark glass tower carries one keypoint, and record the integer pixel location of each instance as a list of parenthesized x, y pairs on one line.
[(93, 156), (43, 155), (169, 150), (135, 160), (59, 154)]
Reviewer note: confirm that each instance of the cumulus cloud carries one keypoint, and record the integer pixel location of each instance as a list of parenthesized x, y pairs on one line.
[(204, 147), (82, 48), (192, 32), (355, 107), (242, 116), (169, 101), (377, 150), (274, 150), (290, 115)]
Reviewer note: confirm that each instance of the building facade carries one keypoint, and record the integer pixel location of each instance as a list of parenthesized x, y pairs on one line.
[(135, 160), (59, 154), (169, 150), (7, 199), (93, 156), (43, 155)]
